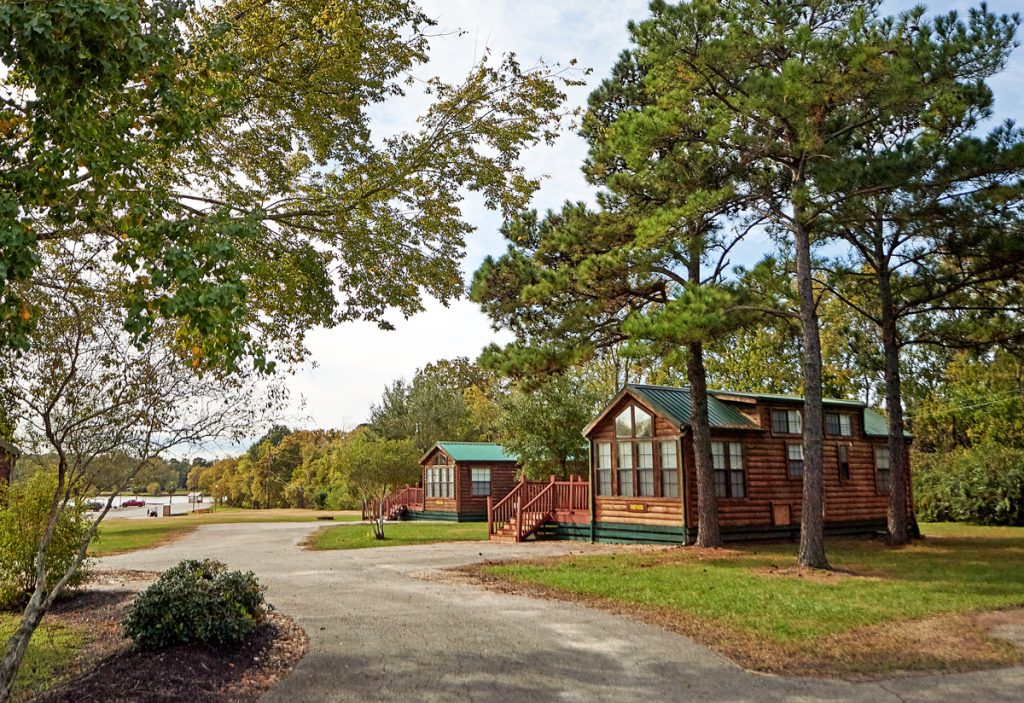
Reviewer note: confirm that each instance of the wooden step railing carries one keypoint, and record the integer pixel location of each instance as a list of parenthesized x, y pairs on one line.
[(393, 503), (531, 504)]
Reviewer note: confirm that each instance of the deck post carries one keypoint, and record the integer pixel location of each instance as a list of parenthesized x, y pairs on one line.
[(519, 518), (490, 517)]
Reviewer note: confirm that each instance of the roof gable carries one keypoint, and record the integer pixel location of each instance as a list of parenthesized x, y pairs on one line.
[(472, 451), (676, 404), (673, 404)]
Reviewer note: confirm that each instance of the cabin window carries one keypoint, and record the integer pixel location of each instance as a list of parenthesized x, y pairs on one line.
[(440, 478), (883, 469), (669, 470), (644, 423), (786, 422), (727, 461), (838, 424), (604, 468), (645, 468), (624, 423), (481, 482), (625, 469), (795, 460), (737, 480), (843, 460)]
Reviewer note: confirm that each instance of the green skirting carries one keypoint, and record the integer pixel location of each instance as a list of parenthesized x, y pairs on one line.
[(623, 533), (444, 516)]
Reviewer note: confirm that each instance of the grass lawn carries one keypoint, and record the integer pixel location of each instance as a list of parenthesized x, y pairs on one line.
[(884, 609), (361, 536), (52, 648), (117, 535)]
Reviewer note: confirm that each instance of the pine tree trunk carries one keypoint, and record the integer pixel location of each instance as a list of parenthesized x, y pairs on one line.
[(709, 534), (899, 474), (812, 519)]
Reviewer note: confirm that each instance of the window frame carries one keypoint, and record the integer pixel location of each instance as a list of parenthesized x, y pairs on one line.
[(619, 472), (789, 461), (672, 470), (843, 448), (789, 428), (880, 471), (728, 470), (601, 471), (474, 484), (839, 421)]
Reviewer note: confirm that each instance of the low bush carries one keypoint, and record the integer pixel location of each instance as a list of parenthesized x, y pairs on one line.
[(24, 513), (197, 602), (983, 485)]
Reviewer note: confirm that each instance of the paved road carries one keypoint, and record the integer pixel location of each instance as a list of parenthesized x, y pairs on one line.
[(379, 633)]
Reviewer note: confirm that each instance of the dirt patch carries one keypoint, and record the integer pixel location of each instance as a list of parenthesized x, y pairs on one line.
[(828, 577), (948, 643), (1006, 625), (109, 669)]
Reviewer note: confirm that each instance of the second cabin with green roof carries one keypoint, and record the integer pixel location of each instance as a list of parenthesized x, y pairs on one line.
[(457, 479)]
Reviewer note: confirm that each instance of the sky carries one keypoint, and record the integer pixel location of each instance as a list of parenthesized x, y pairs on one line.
[(352, 363)]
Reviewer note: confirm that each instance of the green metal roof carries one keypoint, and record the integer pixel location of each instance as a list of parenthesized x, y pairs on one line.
[(877, 425), (674, 403), (790, 398), (475, 451)]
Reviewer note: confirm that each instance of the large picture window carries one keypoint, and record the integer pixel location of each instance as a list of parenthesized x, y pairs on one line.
[(481, 482), (603, 462), (786, 422), (727, 461), (883, 469), (669, 470), (643, 468)]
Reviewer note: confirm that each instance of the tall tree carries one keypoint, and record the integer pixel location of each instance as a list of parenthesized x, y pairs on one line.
[(84, 393), (791, 89), (646, 268), (224, 153), (542, 425), (934, 227)]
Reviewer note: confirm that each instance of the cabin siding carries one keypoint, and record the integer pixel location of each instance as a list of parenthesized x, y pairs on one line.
[(503, 480)]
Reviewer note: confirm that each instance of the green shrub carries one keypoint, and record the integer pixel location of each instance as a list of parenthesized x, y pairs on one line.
[(983, 485), (197, 602), (24, 512)]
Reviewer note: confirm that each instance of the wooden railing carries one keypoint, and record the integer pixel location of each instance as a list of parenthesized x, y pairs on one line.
[(392, 503), (532, 503)]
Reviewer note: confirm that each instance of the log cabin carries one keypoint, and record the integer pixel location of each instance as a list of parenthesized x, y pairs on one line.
[(643, 477), (457, 480)]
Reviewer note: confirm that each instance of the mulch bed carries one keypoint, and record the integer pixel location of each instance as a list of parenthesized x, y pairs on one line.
[(111, 670)]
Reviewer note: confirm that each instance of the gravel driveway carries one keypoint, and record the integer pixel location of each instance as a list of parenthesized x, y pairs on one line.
[(379, 633)]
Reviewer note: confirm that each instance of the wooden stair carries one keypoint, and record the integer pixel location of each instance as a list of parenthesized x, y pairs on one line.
[(532, 504)]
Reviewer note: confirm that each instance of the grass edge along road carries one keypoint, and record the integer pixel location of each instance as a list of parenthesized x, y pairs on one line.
[(396, 535), (926, 607), (120, 535)]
